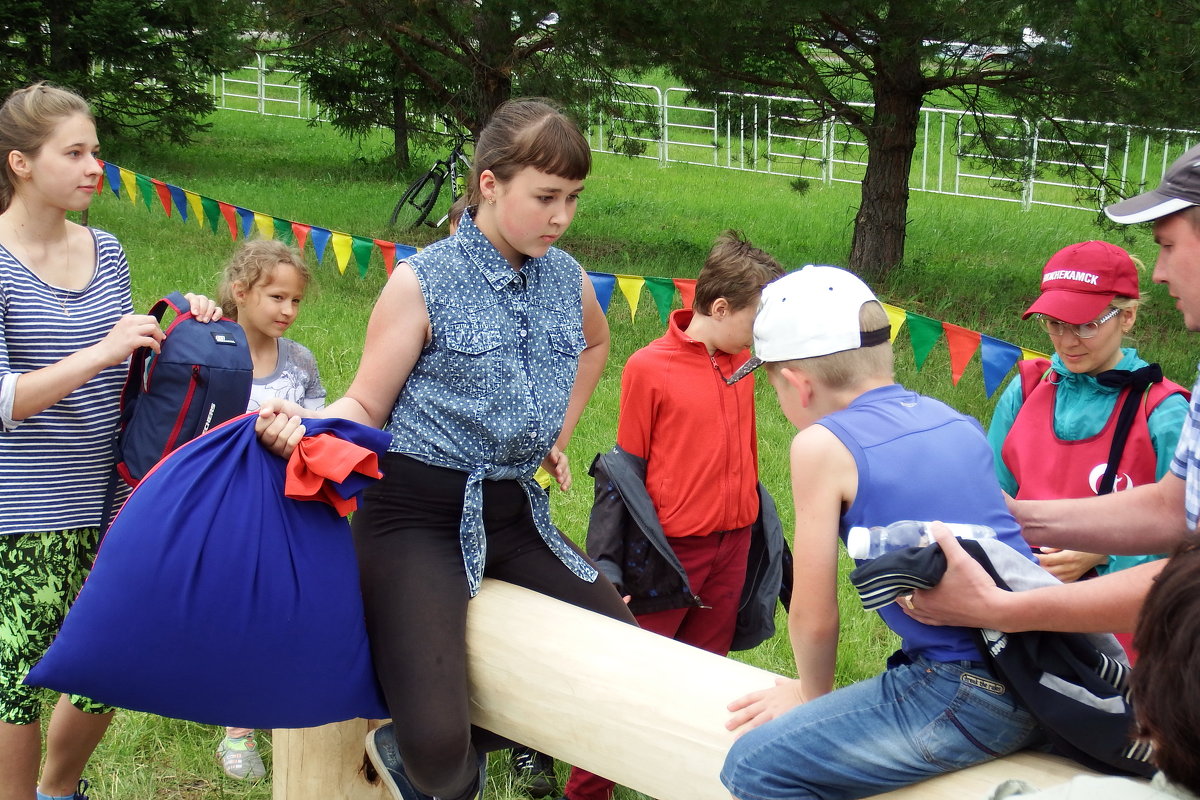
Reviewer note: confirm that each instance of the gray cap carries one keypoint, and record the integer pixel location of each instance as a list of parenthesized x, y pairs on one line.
[(1180, 188)]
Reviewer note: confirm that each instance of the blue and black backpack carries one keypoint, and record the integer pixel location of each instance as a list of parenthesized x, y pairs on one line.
[(200, 377)]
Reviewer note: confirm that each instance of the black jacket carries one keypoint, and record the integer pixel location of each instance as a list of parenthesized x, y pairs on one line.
[(1074, 684), (627, 543)]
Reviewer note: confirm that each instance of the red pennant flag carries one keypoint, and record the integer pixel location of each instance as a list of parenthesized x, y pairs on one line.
[(100, 180), (962, 344), (300, 231), (388, 251), (231, 219), (687, 290), (164, 194)]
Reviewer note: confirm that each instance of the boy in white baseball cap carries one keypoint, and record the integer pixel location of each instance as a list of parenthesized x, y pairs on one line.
[(867, 452)]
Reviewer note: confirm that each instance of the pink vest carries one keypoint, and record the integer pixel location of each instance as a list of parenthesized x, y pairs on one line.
[(1046, 467)]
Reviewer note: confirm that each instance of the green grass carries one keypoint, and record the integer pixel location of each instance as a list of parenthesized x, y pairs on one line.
[(970, 262)]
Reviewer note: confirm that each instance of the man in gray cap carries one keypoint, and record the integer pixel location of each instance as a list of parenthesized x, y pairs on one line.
[(1153, 518)]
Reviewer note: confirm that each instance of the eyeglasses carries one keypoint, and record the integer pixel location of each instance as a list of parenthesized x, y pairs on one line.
[(1056, 327)]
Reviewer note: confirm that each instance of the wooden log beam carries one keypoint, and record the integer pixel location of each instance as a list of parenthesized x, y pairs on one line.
[(635, 707), (324, 763)]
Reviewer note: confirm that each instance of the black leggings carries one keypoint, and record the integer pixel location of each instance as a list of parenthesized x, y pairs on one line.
[(415, 596)]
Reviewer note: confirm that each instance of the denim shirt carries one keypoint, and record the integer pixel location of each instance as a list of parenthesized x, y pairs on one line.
[(489, 393)]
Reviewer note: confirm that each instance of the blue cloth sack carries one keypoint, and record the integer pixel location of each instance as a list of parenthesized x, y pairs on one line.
[(216, 598)]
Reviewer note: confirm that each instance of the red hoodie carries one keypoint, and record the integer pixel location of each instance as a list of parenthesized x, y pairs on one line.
[(696, 432)]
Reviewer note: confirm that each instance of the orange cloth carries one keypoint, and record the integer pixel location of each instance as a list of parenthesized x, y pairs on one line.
[(322, 460)]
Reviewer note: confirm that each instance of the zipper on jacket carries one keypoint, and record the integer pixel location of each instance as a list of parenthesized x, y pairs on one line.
[(729, 451)]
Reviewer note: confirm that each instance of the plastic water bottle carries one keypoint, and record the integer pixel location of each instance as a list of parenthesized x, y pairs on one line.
[(864, 543)]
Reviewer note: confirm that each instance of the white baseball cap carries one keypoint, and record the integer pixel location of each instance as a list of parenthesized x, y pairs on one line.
[(811, 312)]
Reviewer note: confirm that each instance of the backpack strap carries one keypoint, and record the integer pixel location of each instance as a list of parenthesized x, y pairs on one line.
[(1137, 382), (176, 301), (134, 385)]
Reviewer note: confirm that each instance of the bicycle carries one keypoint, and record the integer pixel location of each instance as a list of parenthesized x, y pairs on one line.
[(419, 198)]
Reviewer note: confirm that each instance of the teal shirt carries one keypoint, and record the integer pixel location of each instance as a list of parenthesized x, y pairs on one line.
[(1081, 408)]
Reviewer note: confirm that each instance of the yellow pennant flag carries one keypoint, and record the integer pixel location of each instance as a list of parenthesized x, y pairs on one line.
[(265, 225), (195, 206), (896, 318), (1026, 355), (631, 287), (343, 245), (129, 184)]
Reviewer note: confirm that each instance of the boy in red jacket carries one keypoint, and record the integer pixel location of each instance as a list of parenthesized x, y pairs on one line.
[(674, 394)]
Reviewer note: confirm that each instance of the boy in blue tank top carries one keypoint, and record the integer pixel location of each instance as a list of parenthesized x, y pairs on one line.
[(867, 452)]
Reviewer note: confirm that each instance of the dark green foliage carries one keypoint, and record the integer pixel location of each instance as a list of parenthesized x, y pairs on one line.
[(403, 65), (144, 65), (1132, 61)]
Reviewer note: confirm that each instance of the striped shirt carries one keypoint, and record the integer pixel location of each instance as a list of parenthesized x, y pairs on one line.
[(55, 465)]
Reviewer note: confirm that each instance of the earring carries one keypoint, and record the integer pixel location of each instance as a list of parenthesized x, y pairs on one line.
[(491, 201)]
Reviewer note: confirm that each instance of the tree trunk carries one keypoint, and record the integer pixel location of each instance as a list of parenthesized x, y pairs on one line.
[(491, 74), (879, 226), (400, 123)]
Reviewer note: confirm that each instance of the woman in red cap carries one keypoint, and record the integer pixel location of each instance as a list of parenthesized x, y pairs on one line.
[(1096, 417)]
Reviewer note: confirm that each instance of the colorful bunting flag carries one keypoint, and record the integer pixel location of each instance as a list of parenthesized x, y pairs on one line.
[(300, 231), (631, 287), (388, 251), (663, 292), (342, 247), (247, 218), (603, 284), (164, 195), (145, 190), (180, 198), (997, 357), (129, 184), (362, 247), (196, 206), (896, 317), (282, 230), (212, 212), (113, 173), (687, 290), (265, 225), (962, 344), (320, 238), (923, 332), (230, 215)]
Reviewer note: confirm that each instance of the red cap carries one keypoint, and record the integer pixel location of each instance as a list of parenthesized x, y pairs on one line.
[(1081, 280)]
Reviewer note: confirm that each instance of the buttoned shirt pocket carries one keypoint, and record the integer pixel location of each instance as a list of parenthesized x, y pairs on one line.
[(567, 342), (473, 363)]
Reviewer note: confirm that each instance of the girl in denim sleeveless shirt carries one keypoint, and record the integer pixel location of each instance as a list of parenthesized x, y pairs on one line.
[(480, 355)]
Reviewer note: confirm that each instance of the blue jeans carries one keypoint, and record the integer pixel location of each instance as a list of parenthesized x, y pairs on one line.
[(905, 725)]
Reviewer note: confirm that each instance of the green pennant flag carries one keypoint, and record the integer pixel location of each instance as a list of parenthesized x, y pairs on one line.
[(147, 191), (924, 333), (212, 212), (283, 231), (362, 248), (663, 292)]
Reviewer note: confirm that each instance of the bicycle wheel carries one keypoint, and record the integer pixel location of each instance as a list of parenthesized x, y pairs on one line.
[(417, 201)]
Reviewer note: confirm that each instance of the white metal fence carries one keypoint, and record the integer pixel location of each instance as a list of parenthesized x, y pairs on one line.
[(261, 88), (784, 136)]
